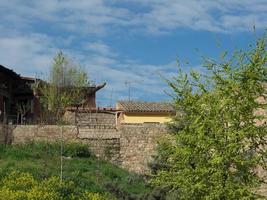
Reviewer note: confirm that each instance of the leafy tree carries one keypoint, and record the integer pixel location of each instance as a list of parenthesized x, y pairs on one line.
[(64, 87), (218, 135)]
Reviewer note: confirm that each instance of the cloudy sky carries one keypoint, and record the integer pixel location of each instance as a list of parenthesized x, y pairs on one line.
[(119, 41)]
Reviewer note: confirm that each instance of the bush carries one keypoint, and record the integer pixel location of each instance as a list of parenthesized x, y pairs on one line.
[(76, 150), (42, 149), (17, 186), (93, 196), (29, 150)]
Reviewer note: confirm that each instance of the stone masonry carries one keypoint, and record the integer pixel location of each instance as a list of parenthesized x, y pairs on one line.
[(138, 145), (2, 135), (130, 147)]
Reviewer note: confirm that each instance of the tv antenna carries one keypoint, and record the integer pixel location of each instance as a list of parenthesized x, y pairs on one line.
[(128, 84), (111, 95)]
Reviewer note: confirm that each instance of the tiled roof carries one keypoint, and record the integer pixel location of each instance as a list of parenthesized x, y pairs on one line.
[(137, 106)]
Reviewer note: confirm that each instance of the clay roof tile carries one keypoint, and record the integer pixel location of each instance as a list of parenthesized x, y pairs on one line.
[(138, 106)]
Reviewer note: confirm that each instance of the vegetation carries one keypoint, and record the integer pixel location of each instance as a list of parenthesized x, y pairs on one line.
[(84, 174), (64, 87), (17, 186), (218, 138)]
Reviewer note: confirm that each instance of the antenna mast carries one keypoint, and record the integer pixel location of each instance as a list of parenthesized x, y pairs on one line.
[(128, 84)]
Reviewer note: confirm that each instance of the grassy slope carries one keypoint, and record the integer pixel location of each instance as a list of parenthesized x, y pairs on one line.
[(89, 173)]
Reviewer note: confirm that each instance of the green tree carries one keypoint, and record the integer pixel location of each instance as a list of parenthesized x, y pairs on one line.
[(218, 138), (64, 86)]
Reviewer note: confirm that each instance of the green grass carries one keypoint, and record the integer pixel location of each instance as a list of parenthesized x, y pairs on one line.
[(88, 173)]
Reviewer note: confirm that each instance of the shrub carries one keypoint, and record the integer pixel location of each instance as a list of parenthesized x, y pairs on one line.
[(18, 186), (76, 150), (18, 181), (93, 196)]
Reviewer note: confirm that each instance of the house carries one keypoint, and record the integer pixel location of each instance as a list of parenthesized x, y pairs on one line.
[(89, 100), (19, 103), (144, 112), (17, 100)]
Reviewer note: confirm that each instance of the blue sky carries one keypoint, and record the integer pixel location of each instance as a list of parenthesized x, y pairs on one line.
[(125, 40)]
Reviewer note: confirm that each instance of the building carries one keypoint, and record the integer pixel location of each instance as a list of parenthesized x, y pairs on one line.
[(20, 99), (144, 112), (90, 95), (18, 102)]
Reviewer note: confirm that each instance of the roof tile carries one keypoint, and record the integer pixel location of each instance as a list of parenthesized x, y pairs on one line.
[(137, 106)]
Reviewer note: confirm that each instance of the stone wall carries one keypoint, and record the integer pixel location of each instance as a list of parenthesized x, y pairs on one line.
[(5, 134), (101, 119), (49, 133), (138, 145), (130, 147), (2, 135), (102, 142)]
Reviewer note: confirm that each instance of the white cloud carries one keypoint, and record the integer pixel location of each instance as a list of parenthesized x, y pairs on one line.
[(28, 55), (154, 16), (83, 16), (100, 48), (205, 15)]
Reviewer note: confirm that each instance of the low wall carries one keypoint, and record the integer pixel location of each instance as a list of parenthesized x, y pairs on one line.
[(2, 135), (99, 140), (138, 145), (51, 133), (130, 147), (6, 134)]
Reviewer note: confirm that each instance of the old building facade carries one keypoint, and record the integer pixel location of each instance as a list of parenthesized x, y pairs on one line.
[(18, 103), (20, 98)]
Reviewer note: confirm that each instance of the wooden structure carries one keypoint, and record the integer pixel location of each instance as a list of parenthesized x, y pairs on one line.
[(90, 95), (18, 103)]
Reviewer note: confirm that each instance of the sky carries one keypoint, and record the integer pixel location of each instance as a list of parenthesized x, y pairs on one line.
[(129, 44)]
